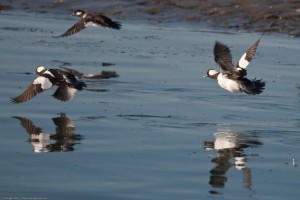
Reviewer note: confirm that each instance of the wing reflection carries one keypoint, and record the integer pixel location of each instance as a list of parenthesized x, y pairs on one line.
[(102, 75), (63, 140), (92, 76), (229, 146)]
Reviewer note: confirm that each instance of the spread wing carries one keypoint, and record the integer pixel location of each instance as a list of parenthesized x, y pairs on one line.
[(64, 93), (102, 75), (248, 56), (74, 72), (36, 87), (29, 126), (74, 29), (67, 79), (107, 22), (224, 59)]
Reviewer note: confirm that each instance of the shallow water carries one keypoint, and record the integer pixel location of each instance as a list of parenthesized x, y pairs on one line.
[(148, 135)]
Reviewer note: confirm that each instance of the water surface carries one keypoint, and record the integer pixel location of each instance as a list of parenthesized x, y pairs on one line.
[(159, 130)]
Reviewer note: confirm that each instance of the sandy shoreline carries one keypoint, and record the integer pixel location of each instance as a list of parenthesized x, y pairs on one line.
[(262, 16)]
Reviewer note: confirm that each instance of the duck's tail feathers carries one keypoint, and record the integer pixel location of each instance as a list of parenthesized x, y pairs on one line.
[(80, 85), (258, 87), (115, 25)]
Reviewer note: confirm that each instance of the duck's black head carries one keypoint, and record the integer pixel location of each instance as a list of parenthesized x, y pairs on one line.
[(78, 13)]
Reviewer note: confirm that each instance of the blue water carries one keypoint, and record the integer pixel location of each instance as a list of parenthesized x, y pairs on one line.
[(146, 135)]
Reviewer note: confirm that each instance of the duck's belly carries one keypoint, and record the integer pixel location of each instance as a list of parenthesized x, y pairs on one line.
[(91, 24), (229, 84)]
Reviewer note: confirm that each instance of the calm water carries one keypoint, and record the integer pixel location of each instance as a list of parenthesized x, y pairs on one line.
[(158, 131)]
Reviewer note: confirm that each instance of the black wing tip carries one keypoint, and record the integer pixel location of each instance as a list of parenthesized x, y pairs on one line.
[(81, 86), (14, 100), (62, 35), (109, 74), (115, 25), (261, 36), (259, 84), (220, 46), (17, 117), (259, 87), (58, 36), (242, 72), (217, 42)]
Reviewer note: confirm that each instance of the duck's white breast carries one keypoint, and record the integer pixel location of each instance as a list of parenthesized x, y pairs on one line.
[(228, 84), (89, 24)]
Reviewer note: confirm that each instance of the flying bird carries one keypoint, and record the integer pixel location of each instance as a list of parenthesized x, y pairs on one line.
[(66, 82), (102, 75), (233, 77), (90, 19)]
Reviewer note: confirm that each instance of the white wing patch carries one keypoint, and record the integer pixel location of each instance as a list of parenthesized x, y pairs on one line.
[(66, 79), (243, 63), (84, 15), (44, 82), (48, 72)]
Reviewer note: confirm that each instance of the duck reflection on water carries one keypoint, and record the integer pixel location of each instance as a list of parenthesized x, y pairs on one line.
[(63, 140), (91, 76), (229, 146), (102, 75)]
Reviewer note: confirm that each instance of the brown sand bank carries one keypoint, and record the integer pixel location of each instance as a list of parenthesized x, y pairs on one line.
[(281, 16)]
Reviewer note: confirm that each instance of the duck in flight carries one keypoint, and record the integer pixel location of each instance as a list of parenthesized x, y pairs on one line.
[(233, 77), (90, 19), (66, 82)]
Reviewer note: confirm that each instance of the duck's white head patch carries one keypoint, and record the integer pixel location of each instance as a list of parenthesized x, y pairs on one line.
[(78, 13), (212, 72), (39, 69)]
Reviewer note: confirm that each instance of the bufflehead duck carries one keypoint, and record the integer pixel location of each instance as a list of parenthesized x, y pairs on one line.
[(102, 75), (66, 82), (90, 19), (233, 77)]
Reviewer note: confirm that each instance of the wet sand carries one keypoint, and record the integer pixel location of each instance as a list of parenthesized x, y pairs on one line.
[(260, 16), (153, 132)]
